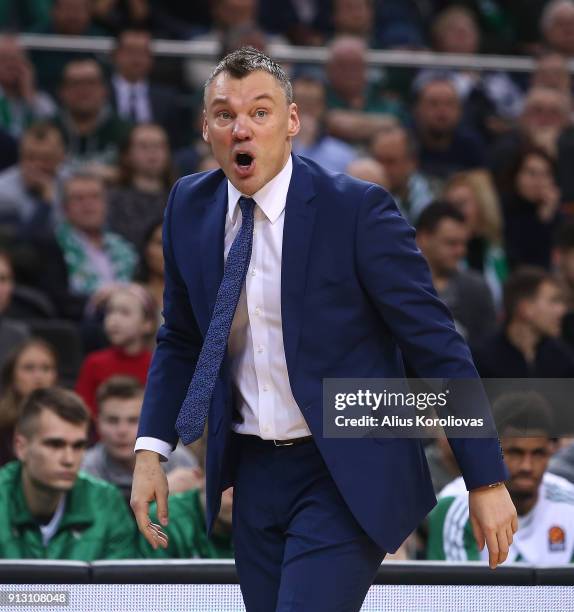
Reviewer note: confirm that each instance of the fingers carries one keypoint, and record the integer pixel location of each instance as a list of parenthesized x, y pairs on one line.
[(160, 538), (503, 545), (478, 534), (493, 550), (141, 512), (162, 513), (514, 523)]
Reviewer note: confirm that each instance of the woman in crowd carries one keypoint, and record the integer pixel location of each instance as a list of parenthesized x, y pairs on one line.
[(150, 274), (531, 209), (474, 194), (146, 176), (33, 365)]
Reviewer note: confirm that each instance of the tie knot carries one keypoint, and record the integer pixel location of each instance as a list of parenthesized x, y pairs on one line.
[(246, 205)]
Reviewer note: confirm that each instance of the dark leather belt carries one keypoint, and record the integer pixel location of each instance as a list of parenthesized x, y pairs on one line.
[(288, 442)]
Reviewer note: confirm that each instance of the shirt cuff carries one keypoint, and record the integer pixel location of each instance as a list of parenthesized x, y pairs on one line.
[(154, 444)]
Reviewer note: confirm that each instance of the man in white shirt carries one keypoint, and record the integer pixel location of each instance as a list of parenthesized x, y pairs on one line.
[(319, 271)]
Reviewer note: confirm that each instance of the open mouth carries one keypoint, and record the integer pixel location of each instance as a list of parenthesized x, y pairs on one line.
[(244, 164)]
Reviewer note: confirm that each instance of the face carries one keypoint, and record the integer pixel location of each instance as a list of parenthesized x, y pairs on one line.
[(527, 459), (118, 426), (544, 109), (41, 155), (560, 35), (462, 197), (124, 321), (85, 204), (552, 72), (347, 70), (11, 62), (6, 283), (83, 91), (564, 259), (154, 252), (249, 125), (71, 16), (438, 109), (534, 178), (353, 16), (149, 151), (445, 247), (35, 369), (368, 169), (52, 455), (392, 152), (310, 98), (460, 35), (133, 56), (545, 311)]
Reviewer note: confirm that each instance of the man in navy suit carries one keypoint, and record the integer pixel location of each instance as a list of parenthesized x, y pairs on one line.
[(334, 286)]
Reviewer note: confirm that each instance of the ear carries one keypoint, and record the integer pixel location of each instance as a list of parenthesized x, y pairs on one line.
[(205, 129), (294, 125), (20, 446)]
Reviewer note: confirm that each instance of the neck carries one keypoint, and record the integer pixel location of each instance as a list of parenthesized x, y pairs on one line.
[(440, 279), (84, 124), (95, 236), (133, 347), (40, 501), (147, 183), (436, 140), (524, 338), (524, 504), (127, 464)]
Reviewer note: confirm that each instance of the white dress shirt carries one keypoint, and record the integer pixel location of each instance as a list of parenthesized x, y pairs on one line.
[(132, 97), (255, 346)]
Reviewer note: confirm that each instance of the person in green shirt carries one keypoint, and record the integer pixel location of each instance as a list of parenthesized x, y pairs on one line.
[(48, 510)]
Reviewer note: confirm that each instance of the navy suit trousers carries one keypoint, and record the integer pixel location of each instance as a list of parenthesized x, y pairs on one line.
[(297, 546)]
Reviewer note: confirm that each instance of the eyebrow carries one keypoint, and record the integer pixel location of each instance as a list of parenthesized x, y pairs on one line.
[(224, 99)]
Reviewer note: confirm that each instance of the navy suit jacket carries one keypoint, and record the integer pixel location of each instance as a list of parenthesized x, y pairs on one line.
[(356, 297)]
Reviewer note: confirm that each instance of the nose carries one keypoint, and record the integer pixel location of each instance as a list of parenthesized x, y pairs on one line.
[(241, 130)]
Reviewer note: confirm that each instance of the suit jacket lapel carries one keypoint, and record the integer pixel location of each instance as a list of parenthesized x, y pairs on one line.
[(212, 243), (297, 233)]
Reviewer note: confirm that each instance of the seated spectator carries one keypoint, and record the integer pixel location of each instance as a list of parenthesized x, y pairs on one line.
[(150, 274), (527, 345), (93, 256), (442, 463), (544, 119), (491, 100), (186, 530), (130, 324), (12, 332), (473, 193), (442, 237), (557, 26), (49, 509), (563, 265), (357, 106), (395, 148), (68, 18), (368, 169), (562, 462), (531, 209), (92, 132), (313, 141), (29, 198), (20, 102), (136, 99), (544, 502), (146, 176), (446, 144), (303, 23), (551, 72), (226, 16), (119, 400), (356, 18), (31, 365)]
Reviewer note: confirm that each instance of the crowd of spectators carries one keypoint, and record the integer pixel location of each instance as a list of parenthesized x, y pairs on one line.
[(479, 162)]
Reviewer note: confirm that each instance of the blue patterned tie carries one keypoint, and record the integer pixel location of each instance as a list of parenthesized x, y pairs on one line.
[(193, 412)]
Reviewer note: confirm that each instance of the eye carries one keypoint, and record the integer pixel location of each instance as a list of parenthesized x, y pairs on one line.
[(261, 113), (224, 115)]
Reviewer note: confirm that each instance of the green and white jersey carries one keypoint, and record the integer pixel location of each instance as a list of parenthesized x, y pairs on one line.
[(545, 535)]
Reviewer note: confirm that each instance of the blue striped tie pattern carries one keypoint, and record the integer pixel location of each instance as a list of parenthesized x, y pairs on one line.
[(193, 412)]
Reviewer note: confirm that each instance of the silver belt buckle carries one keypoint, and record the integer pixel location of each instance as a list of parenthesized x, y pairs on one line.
[(282, 443)]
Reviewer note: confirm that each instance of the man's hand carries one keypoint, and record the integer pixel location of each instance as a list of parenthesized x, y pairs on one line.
[(150, 483), (494, 520)]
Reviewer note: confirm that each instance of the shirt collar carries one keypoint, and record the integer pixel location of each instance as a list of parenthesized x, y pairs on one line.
[(271, 198)]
